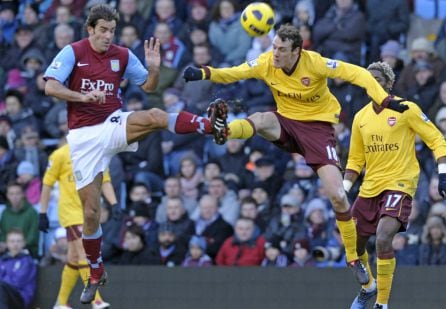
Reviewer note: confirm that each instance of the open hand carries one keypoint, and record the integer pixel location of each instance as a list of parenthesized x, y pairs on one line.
[(152, 53)]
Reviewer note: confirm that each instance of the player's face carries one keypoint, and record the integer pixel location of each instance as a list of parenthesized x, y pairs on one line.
[(101, 36), (380, 78), (283, 55)]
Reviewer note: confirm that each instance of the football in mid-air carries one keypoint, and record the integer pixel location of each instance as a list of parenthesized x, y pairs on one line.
[(257, 19)]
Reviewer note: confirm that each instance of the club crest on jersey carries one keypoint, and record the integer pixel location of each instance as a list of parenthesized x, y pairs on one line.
[(305, 81), (391, 121), (114, 65), (56, 65), (332, 64)]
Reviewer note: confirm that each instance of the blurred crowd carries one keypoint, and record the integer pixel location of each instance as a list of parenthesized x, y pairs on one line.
[(186, 200)]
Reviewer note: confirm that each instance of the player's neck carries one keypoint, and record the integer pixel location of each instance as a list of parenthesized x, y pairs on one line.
[(291, 66), (94, 48)]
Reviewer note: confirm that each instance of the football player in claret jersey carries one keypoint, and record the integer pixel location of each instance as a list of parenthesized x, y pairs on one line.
[(383, 142), (87, 75), (71, 218), (305, 113)]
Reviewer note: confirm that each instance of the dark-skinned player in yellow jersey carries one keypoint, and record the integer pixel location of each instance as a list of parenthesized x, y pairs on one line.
[(383, 142), (305, 113)]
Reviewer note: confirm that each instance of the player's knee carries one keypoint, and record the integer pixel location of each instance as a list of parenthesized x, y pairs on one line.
[(338, 199), (156, 118), (91, 214)]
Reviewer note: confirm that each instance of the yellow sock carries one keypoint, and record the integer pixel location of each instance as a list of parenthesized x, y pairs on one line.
[(348, 234), (365, 260), (84, 272), (68, 281), (240, 128), (385, 270)]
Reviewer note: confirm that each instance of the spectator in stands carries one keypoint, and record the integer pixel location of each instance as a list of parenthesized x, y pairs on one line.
[(265, 171), (420, 49), (228, 204), (141, 215), (273, 255), (18, 273), (169, 252), (233, 165), (19, 214), (197, 17), (135, 251), (23, 41), (301, 255), (304, 14), (129, 15), (28, 179), (111, 229), (390, 53), (333, 253), (177, 217), (318, 227), (440, 120), (196, 95), (140, 192), (244, 248), (210, 224), (20, 115), (406, 253), (165, 12), (172, 189), (63, 35), (55, 121), (57, 254), (197, 257), (265, 206), (248, 209), (173, 102), (385, 21), (227, 34), (439, 102), (130, 38), (425, 89), (7, 131), (39, 103), (30, 148), (8, 21), (288, 224), (350, 26), (31, 17), (190, 177), (8, 166), (173, 51), (433, 242)]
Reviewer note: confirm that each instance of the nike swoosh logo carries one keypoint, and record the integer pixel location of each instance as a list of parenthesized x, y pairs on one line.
[(81, 64), (361, 125), (273, 84)]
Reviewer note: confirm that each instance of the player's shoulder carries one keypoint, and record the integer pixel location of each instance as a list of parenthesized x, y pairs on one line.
[(61, 152)]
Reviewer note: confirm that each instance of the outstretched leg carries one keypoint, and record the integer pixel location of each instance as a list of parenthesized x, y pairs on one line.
[(332, 181)]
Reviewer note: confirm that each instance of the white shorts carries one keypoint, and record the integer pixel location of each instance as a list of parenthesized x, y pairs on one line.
[(92, 147)]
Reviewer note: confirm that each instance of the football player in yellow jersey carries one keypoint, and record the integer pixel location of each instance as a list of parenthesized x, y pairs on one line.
[(383, 141), (71, 218), (305, 113)]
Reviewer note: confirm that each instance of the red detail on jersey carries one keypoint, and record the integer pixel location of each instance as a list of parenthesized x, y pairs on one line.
[(391, 121), (305, 81), (94, 71)]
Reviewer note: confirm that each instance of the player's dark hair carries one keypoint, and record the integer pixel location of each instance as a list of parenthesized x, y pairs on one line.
[(290, 33), (101, 11)]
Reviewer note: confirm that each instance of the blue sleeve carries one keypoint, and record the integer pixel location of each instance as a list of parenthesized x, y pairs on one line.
[(135, 70), (62, 65)]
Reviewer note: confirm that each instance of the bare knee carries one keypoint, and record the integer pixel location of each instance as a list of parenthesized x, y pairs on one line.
[(156, 118), (383, 243), (338, 199)]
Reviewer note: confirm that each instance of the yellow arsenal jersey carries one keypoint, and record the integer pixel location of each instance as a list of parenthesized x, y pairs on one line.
[(303, 95), (385, 144), (60, 170)]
